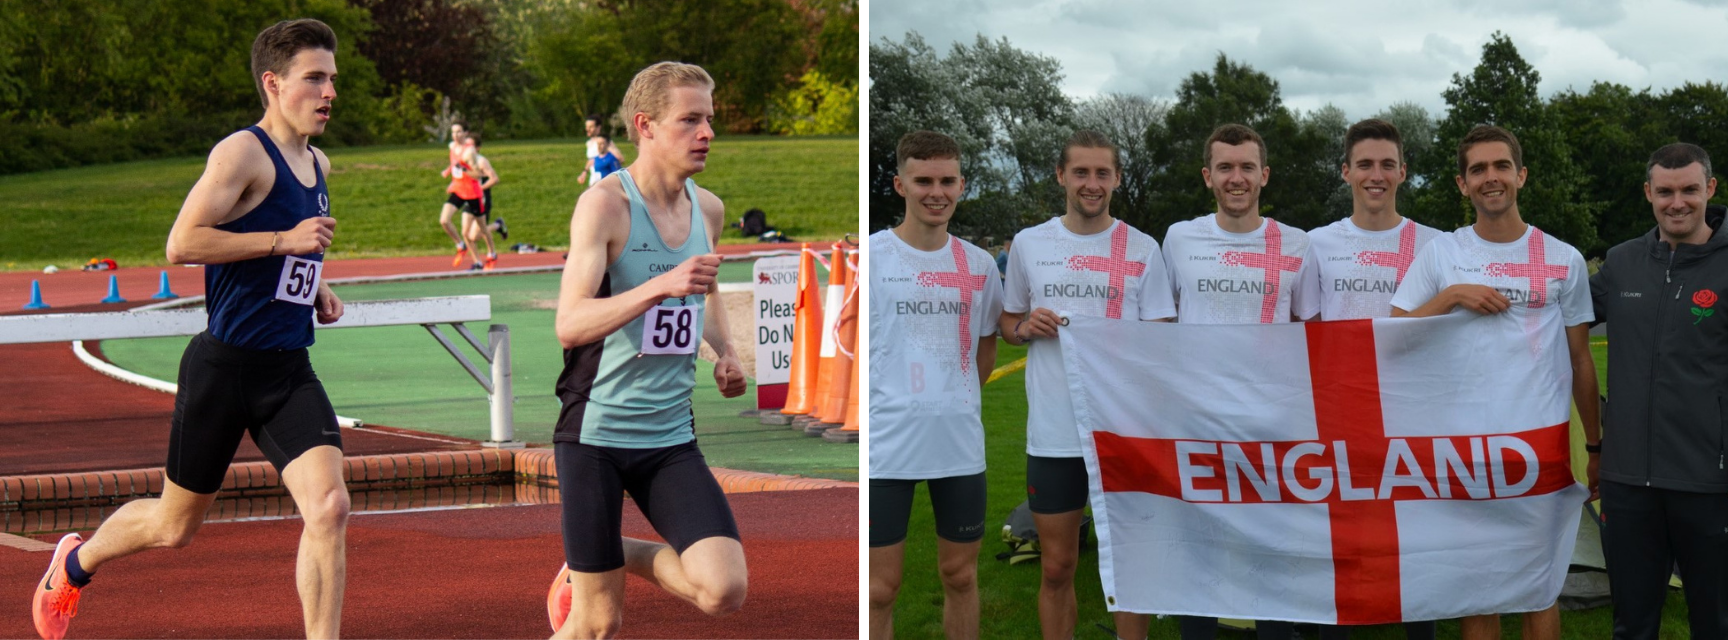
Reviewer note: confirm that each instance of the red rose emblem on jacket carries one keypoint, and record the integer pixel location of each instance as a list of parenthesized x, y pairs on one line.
[(1704, 298)]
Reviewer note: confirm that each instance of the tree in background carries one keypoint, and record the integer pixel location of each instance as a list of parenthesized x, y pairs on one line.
[(428, 49), (1125, 118), (1233, 92), (1501, 91), (1003, 105), (587, 56)]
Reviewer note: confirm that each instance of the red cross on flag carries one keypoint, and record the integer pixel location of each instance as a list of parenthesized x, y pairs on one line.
[(1355, 472)]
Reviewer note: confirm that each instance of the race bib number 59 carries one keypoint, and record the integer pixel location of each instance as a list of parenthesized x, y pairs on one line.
[(299, 281), (670, 330)]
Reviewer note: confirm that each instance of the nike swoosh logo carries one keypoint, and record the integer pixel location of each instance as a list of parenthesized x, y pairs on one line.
[(48, 580)]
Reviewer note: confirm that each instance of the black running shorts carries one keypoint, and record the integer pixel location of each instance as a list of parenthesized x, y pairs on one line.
[(958, 502), (672, 486), (1056, 485), (465, 205), (228, 391)]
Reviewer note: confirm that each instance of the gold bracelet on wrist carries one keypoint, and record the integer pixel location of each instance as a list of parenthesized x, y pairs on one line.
[(274, 237)]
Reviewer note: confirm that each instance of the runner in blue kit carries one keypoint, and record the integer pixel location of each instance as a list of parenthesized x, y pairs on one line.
[(259, 220), (638, 293)]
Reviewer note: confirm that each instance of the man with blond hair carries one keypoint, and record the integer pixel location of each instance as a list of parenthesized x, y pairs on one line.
[(638, 291), (259, 220)]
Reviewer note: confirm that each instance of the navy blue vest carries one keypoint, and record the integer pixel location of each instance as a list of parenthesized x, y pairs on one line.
[(241, 296)]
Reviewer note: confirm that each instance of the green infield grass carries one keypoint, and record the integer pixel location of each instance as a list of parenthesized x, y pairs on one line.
[(1009, 593), (386, 199), (400, 377)]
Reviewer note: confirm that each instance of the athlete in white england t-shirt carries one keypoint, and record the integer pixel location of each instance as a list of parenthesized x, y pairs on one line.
[(1361, 259), (934, 302), (1082, 263), (1237, 267), (1499, 263)]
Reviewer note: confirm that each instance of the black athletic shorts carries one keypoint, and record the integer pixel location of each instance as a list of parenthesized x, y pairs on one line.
[(486, 203), (672, 486), (1056, 485), (465, 205), (958, 502), (228, 391)]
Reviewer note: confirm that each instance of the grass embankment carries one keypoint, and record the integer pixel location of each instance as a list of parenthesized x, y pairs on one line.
[(387, 199)]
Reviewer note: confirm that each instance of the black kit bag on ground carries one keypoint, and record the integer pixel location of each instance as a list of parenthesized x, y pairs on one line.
[(1021, 535)]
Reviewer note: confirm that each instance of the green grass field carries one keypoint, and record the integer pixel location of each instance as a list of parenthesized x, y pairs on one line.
[(400, 377), (1009, 594), (387, 198)]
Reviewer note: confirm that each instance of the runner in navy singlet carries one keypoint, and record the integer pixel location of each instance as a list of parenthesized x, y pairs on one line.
[(259, 219)]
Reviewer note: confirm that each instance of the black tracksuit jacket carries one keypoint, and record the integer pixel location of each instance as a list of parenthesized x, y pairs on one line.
[(1666, 421)]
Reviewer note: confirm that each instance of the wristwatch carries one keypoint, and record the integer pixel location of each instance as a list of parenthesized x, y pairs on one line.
[(1593, 448)]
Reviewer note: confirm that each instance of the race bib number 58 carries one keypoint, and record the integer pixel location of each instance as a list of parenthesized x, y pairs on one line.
[(299, 281), (670, 330)]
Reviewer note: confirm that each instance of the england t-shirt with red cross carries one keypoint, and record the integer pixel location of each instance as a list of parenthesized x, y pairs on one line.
[(927, 311), (1359, 270), (1535, 272), (1117, 273), (1222, 277)]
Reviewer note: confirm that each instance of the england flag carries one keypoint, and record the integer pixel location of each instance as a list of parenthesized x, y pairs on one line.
[(1354, 472)]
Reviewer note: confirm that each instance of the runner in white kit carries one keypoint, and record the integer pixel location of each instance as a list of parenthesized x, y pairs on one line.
[(934, 300), (1360, 260), (1500, 263), (1237, 267), (1082, 263)]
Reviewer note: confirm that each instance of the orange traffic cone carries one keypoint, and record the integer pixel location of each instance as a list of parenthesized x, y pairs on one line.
[(807, 337), (832, 412), (849, 432), (836, 294), (832, 405)]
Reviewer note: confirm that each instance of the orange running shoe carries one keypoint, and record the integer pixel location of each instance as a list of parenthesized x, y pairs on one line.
[(558, 598), (461, 254), (491, 263), (56, 601)]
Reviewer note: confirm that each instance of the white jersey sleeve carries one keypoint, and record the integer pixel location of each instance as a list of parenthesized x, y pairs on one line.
[(1155, 300), (1424, 280), (1305, 299), (1575, 305), (1017, 289)]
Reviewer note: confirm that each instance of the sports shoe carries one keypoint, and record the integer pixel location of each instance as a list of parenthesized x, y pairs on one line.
[(476, 267), (56, 601), (491, 262), (461, 254), (558, 598), (503, 231)]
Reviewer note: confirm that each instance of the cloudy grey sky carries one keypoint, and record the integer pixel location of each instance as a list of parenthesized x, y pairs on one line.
[(1359, 55)]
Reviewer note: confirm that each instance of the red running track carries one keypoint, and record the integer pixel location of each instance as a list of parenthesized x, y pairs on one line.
[(469, 573)]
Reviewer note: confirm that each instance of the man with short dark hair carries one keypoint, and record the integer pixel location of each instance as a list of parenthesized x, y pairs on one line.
[(260, 230), (1360, 260), (933, 306), (1500, 263), (1664, 490), (1236, 266), (1084, 262), (608, 161)]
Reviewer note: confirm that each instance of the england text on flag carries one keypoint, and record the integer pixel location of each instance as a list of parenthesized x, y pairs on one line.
[(1356, 472)]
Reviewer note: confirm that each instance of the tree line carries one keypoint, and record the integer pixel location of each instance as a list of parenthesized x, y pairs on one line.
[(90, 81), (1586, 151)]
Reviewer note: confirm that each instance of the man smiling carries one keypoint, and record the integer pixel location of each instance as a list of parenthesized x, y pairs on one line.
[(1664, 489), (1497, 264), (1088, 263)]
